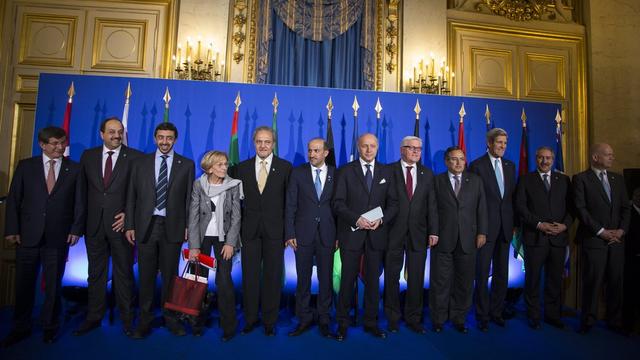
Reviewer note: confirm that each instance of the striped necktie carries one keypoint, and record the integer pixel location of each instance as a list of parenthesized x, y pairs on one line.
[(161, 186)]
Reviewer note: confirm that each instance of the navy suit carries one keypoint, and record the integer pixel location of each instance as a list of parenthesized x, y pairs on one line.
[(312, 223), (43, 222), (601, 260), (352, 199), (495, 253)]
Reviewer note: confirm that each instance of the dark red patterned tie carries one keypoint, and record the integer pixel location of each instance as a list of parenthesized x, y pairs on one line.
[(108, 169), (409, 183)]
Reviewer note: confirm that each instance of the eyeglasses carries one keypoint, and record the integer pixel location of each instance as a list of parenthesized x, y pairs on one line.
[(57, 143), (413, 148)]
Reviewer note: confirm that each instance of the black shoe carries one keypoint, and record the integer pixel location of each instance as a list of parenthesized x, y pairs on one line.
[(417, 328), (300, 329), (584, 329), (49, 336), (141, 332), (556, 323), (483, 325), (393, 327), (499, 320), (534, 324), (437, 328), (248, 328), (86, 327), (227, 337), (176, 328), (324, 331), (341, 334), (461, 328), (15, 337), (269, 330), (375, 331)]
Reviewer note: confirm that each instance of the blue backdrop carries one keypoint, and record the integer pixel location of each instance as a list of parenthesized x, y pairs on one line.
[(203, 111)]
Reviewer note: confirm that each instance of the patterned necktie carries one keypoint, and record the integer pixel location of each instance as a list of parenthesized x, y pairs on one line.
[(51, 176), (409, 183), (262, 176), (547, 184), (456, 184), (161, 186), (318, 183), (605, 184), (368, 177), (499, 177), (108, 169)]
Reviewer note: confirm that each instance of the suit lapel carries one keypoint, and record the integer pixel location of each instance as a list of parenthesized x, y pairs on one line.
[(492, 172), (120, 163), (327, 183), (421, 178), (39, 169), (175, 167), (447, 185), (357, 168), (596, 182), (309, 185)]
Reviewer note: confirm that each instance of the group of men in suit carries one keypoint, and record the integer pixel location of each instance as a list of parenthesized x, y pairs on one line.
[(377, 215)]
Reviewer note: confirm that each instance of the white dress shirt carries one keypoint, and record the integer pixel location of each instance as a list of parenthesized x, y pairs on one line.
[(493, 164), (267, 164), (364, 167), (323, 174)]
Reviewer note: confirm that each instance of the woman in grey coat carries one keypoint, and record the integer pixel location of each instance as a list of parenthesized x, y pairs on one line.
[(214, 221)]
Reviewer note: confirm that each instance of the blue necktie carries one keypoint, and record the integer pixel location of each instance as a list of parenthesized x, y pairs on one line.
[(605, 184), (499, 178), (161, 186), (368, 176), (318, 184)]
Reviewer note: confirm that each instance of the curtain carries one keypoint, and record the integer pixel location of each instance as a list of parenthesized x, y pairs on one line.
[(324, 43), (294, 60)]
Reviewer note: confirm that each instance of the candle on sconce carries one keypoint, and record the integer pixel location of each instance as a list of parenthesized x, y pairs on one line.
[(209, 53), (421, 67), (415, 74), (218, 59), (189, 67), (433, 63), (410, 85), (179, 56), (188, 48), (199, 48), (222, 71)]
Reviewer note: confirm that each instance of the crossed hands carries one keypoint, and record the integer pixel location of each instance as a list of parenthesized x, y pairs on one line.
[(552, 229)]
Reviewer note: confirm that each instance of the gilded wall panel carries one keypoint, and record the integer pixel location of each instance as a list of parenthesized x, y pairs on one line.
[(491, 72), (544, 76), (26, 83), (119, 44), (22, 133), (47, 40)]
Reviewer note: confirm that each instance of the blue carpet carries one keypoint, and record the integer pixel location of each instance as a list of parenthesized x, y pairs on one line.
[(514, 341)]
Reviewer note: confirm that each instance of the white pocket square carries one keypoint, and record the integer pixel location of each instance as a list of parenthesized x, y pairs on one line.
[(383, 181)]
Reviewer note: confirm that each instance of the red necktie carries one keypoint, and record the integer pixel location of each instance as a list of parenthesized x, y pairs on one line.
[(409, 183), (108, 169)]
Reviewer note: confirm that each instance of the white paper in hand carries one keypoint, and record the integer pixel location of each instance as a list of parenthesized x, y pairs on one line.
[(371, 215)]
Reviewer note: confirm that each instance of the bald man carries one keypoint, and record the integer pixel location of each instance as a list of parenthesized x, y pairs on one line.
[(603, 208)]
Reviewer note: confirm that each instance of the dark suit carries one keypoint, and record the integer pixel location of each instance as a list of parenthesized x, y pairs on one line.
[(262, 238), (601, 260), (312, 223), (534, 205), (453, 259), (495, 253), (352, 199), (103, 203), (43, 222), (158, 238), (417, 218)]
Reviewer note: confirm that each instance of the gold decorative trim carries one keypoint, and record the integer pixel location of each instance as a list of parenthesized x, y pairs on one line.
[(239, 34), (28, 20), (391, 46), (577, 145), (252, 45), (559, 92), (379, 47), (21, 134), (96, 57), (507, 72), (27, 83), (519, 10)]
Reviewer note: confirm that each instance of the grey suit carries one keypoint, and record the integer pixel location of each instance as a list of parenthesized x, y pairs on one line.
[(461, 219)]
